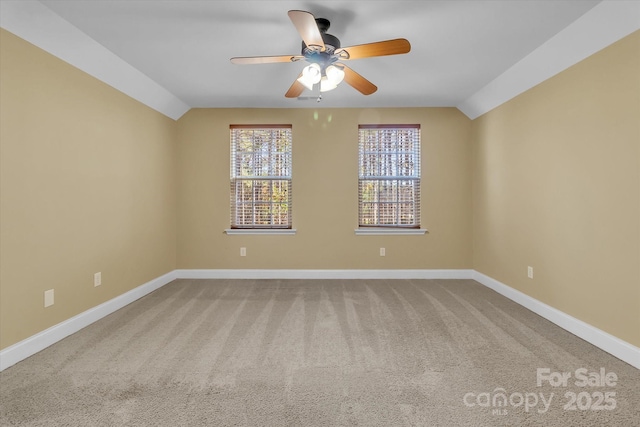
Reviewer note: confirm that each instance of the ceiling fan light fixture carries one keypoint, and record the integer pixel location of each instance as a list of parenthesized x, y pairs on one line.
[(326, 84), (335, 74), (332, 78), (311, 74)]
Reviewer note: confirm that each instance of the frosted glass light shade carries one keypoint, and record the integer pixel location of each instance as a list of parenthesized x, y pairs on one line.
[(311, 75), (326, 84), (334, 74)]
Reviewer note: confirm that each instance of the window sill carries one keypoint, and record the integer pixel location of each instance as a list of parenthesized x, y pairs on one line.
[(373, 231), (270, 231)]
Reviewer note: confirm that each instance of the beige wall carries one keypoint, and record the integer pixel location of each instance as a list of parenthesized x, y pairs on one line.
[(91, 180), (557, 187), (325, 177), (87, 184)]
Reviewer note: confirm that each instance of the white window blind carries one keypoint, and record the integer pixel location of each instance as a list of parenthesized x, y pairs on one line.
[(389, 176), (261, 176)]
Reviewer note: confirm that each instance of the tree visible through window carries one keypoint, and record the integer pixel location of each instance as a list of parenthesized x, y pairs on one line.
[(261, 176), (389, 176)]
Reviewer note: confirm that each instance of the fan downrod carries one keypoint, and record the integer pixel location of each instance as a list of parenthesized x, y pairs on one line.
[(323, 24)]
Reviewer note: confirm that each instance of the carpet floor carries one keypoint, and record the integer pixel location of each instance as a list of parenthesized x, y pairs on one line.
[(321, 353)]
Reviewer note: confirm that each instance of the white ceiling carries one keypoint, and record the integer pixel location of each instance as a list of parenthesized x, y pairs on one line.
[(458, 47)]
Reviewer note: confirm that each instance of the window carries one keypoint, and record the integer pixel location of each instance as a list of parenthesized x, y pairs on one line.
[(389, 176), (261, 177)]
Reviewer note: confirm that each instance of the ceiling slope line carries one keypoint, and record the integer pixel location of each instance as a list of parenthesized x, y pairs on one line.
[(35, 23), (603, 25)]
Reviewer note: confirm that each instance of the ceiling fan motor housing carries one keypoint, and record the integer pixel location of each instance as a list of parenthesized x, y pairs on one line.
[(331, 42)]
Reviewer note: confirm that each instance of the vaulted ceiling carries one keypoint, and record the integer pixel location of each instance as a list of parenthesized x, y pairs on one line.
[(174, 55)]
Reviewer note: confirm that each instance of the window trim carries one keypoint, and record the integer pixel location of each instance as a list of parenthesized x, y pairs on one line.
[(257, 228), (391, 229), (261, 231)]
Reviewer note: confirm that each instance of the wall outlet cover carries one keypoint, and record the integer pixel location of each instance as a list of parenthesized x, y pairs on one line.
[(48, 298)]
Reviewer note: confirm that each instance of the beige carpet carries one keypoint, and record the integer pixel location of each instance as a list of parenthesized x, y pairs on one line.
[(319, 353)]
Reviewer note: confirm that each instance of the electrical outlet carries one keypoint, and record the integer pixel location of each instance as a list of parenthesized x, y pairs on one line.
[(48, 298), (382, 252), (97, 279), (243, 251), (530, 272)]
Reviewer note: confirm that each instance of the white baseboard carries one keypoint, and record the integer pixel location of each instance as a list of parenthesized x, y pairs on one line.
[(607, 342), (601, 339), (324, 274), (35, 343)]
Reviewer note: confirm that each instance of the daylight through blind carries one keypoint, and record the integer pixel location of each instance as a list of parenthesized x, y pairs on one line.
[(261, 176), (389, 176)]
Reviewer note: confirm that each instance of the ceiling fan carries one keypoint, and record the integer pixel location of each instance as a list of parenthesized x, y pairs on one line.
[(325, 56)]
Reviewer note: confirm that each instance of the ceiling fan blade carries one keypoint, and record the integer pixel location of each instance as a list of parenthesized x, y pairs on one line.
[(358, 82), (246, 60), (387, 47), (306, 25), (296, 88)]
